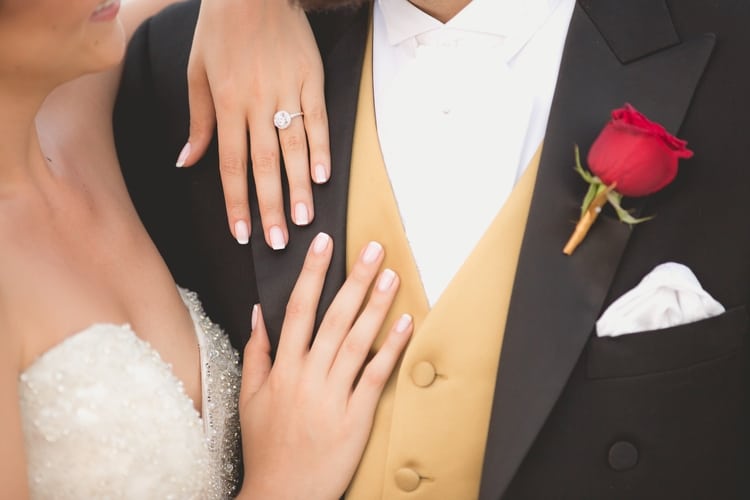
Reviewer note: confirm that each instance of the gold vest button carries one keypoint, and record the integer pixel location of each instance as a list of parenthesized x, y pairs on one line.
[(423, 374), (407, 479)]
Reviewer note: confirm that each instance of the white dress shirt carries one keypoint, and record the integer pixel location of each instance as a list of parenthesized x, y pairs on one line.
[(461, 108)]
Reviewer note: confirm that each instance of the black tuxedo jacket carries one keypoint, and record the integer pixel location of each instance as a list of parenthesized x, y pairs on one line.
[(660, 414)]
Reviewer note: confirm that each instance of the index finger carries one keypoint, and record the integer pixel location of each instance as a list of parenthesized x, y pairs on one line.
[(299, 319)]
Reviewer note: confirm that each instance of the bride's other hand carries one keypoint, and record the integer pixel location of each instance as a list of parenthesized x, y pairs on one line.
[(250, 59), (306, 420)]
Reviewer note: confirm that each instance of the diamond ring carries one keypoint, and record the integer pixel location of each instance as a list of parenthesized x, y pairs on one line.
[(282, 119)]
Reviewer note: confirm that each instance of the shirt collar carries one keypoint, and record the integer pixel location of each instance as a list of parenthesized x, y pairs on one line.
[(506, 18)]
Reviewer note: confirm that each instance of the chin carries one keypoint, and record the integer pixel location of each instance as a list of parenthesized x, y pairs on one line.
[(107, 51)]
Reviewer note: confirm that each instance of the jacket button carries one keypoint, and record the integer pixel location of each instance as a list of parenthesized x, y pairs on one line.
[(623, 456), (423, 374), (407, 479)]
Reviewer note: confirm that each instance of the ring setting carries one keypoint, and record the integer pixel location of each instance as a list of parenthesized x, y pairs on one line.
[(282, 119)]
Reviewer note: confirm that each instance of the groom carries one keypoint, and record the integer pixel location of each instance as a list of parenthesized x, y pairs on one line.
[(506, 390)]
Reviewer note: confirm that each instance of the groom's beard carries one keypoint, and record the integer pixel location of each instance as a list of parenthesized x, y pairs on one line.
[(328, 4)]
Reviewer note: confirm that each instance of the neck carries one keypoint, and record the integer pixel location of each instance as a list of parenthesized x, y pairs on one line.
[(442, 10), (20, 150)]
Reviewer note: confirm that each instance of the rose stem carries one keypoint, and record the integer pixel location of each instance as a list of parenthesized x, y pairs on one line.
[(586, 220)]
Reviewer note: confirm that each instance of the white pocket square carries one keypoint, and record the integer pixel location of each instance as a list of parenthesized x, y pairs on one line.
[(670, 295)]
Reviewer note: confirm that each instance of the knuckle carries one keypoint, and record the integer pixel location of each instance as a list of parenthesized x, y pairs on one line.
[(377, 304), (194, 73), (361, 275), (232, 165), (299, 185), (257, 90), (336, 321), (224, 99), (265, 162), (198, 125), (225, 93), (270, 207), (354, 347), (374, 376), (297, 308), (236, 209), (315, 114), (279, 380), (294, 143)]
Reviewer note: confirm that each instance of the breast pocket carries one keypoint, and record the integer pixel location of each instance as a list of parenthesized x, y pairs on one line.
[(668, 349)]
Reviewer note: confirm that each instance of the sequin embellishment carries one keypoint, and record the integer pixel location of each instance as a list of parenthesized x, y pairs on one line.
[(104, 417)]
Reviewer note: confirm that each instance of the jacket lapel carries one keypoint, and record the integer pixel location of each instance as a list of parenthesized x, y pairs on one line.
[(557, 299), (341, 37)]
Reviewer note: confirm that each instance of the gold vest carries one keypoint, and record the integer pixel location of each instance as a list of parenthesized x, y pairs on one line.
[(430, 429)]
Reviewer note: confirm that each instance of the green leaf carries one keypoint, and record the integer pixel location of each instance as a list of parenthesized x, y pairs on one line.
[(615, 199), (579, 168)]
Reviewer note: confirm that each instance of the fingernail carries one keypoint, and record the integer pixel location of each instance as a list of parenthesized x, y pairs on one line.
[(386, 280), (321, 174), (276, 235), (183, 155), (301, 214), (241, 232), (320, 243), (372, 252), (404, 322), (254, 316)]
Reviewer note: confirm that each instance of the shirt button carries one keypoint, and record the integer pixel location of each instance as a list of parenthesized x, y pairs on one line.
[(623, 456), (423, 374), (407, 479)]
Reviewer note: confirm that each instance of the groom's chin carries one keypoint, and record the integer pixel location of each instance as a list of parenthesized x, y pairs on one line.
[(309, 5)]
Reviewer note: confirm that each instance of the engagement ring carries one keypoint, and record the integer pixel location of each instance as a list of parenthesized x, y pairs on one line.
[(282, 119)]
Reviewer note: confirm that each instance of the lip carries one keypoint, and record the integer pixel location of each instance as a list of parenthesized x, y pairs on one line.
[(109, 13)]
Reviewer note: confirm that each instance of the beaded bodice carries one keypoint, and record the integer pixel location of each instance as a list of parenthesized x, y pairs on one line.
[(104, 417)]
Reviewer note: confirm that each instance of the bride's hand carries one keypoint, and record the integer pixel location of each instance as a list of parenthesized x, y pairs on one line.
[(305, 422), (250, 59)]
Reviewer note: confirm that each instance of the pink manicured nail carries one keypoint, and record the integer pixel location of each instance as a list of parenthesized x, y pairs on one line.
[(254, 317), (386, 280), (241, 232), (301, 214), (183, 155), (276, 235), (373, 251), (321, 243), (404, 322), (321, 174)]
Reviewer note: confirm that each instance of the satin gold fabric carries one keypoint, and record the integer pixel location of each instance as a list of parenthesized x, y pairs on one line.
[(430, 429)]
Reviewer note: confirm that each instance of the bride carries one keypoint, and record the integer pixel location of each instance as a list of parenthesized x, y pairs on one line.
[(113, 383)]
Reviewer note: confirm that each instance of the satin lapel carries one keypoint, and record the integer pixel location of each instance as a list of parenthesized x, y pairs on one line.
[(277, 271), (556, 299)]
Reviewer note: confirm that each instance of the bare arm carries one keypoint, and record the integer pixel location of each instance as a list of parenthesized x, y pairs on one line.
[(12, 458)]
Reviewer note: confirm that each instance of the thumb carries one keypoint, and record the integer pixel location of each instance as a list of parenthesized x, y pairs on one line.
[(202, 115), (257, 362)]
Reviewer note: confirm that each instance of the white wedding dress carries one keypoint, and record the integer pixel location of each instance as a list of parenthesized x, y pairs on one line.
[(104, 417)]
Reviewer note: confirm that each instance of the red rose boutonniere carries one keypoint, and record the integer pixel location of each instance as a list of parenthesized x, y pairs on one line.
[(632, 156)]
